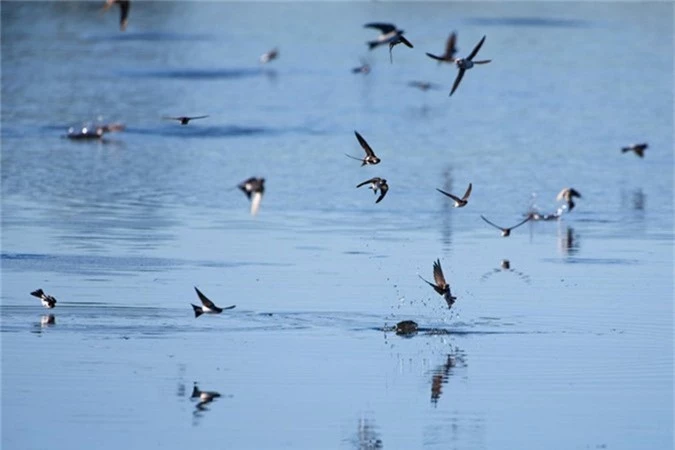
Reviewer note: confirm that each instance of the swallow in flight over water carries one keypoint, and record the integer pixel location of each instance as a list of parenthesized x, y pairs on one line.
[(370, 154), (464, 64), (124, 11), (450, 50), (376, 184), (506, 231), (567, 195), (47, 300), (423, 85), (254, 189), (639, 149), (205, 397), (184, 120), (459, 202), (441, 286), (208, 307), (269, 56), (389, 34)]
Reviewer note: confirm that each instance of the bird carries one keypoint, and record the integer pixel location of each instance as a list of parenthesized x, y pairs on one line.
[(389, 34), (184, 120), (208, 307), (567, 195), (423, 85), (441, 286), (376, 184), (47, 300), (269, 56), (364, 68), (254, 189), (450, 50), (639, 149), (459, 202), (124, 11), (205, 397), (464, 64), (370, 158), (506, 231)]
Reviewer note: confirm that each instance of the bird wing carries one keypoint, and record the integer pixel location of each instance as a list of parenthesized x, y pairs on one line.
[(495, 225), (205, 300), (457, 199), (196, 117), (372, 180), (437, 58), (364, 144), (383, 191), (229, 307), (475, 49), (450, 48), (467, 193), (438, 274), (458, 79), (38, 293), (527, 219), (124, 13), (405, 41), (383, 27), (256, 198), (574, 193)]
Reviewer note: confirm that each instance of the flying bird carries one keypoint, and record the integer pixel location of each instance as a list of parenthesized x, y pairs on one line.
[(205, 397), (506, 231), (450, 50), (370, 157), (423, 85), (459, 202), (567, 195), (389, 34), (47, 300), (639, 149), (208, 307), (184, 120), (254, 188), (364, 68), (441, 286), (124, 11), (269, 56), (376, 184), (464, 64)]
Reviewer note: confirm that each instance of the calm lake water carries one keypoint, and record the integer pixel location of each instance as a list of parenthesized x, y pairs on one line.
[(570, 347)]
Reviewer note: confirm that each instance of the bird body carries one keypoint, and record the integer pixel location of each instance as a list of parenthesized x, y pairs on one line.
[(567, 195), (269, 56), (370, 157), (47, 300), (376, 184), (254, 188), (638, 149), (208, 307), (441, 286)]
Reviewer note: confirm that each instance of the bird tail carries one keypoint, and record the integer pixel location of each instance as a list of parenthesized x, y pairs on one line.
[(373, 44), (198, 310), (625, 149), (39, 293)]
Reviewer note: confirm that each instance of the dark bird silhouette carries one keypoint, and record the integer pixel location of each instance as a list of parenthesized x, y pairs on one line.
[(505, 231), (423, 85), (47, 300), (254, 188), (441, 286), (567, 195), (364, 68), (464, 64), (459, 202), (376, 184), (370, 157), (124, 11), (450, 50), (208, 307), (184, 120), (389, 34), (269, 56), (205, 397), (639, 149)]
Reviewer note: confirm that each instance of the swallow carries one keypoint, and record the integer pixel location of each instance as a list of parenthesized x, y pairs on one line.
[(389, 34), (254, 189), (124, 11), (184, 120), (47, 300), (208, 307), (269, 56), (375, 184), (205, 397), (441, 286), (464, 64), (639, 149), (423, 85), (567, 195), (370, 154), (364, 68), (450, 50), (506, 231), (459, 202)]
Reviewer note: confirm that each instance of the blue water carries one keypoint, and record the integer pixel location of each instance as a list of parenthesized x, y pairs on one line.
[(570, 347)]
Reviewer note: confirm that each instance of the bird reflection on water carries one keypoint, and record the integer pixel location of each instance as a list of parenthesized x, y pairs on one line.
[(205, 397), (505, 267), (367, 436), (443, 372), (568, 241)]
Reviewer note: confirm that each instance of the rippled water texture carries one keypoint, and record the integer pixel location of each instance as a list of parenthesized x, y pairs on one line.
[(561, 334)]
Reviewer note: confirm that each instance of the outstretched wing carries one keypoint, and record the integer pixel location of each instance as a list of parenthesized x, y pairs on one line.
[(467, 193), (450, 48), (196, 117), (405, 41), (438, 275), (372, 180), (475, 49), (497, 226), (383, 27), (458, 79), (437, 58), (205, 300), (383, 191), (527, 219), (457, 199), (364, 144)]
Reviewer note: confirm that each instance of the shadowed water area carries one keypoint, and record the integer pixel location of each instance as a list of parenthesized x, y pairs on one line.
[(561, 335)]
